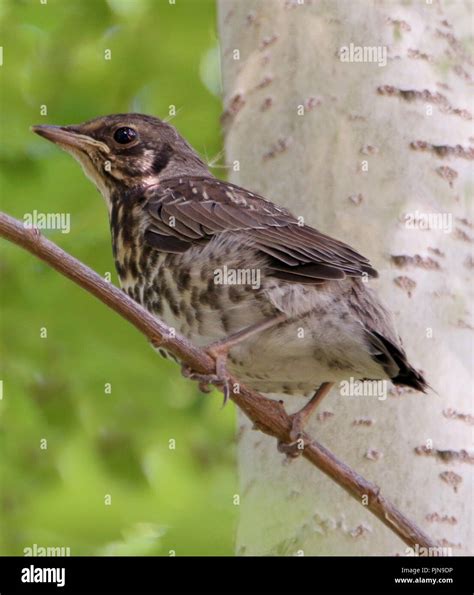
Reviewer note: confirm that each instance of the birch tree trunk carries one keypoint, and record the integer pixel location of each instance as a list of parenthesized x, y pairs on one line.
[(365, 151)]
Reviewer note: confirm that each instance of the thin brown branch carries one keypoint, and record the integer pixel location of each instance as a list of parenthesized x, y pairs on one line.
[(267, 415)]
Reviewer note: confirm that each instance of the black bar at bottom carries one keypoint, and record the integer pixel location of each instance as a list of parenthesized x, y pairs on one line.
[(240, 574)]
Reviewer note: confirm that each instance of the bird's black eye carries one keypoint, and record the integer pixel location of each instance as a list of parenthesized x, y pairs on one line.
[(125, 135)]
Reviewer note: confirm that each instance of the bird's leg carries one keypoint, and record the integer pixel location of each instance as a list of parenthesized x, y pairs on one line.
[(300, 419), (236, 338), (219, 350)]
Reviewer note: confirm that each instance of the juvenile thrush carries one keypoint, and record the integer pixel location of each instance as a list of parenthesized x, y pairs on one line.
[(286, 308)]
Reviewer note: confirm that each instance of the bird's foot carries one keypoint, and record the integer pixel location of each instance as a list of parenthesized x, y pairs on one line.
[(204, 380), (292, 450), (219, 351), (295, 447)]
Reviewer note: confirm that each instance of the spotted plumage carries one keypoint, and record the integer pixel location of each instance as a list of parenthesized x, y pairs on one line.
[(176, 228)]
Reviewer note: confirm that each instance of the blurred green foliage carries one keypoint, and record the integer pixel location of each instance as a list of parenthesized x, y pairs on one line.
[(54, 387)]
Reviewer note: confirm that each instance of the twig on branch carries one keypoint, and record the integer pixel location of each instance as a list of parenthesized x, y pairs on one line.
[(267, 415)]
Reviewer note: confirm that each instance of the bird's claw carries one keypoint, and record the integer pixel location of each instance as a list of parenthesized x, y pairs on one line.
[(296, 446), (204, 380), (220, 378), (293, 449)]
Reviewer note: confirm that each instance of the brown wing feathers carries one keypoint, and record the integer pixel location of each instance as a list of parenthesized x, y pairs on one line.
[(185, 211)]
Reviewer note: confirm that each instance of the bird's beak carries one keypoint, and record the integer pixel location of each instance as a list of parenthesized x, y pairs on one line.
[(68, 137)]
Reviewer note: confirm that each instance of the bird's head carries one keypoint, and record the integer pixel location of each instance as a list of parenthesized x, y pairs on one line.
[(124, 151)]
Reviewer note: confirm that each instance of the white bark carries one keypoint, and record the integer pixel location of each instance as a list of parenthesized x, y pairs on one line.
[(288, 56)]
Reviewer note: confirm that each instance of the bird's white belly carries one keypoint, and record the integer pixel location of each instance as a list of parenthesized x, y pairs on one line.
[(293, 358), (282, 360)]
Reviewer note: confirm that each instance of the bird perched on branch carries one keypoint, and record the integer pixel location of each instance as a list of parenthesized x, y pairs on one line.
[(283, 307)]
